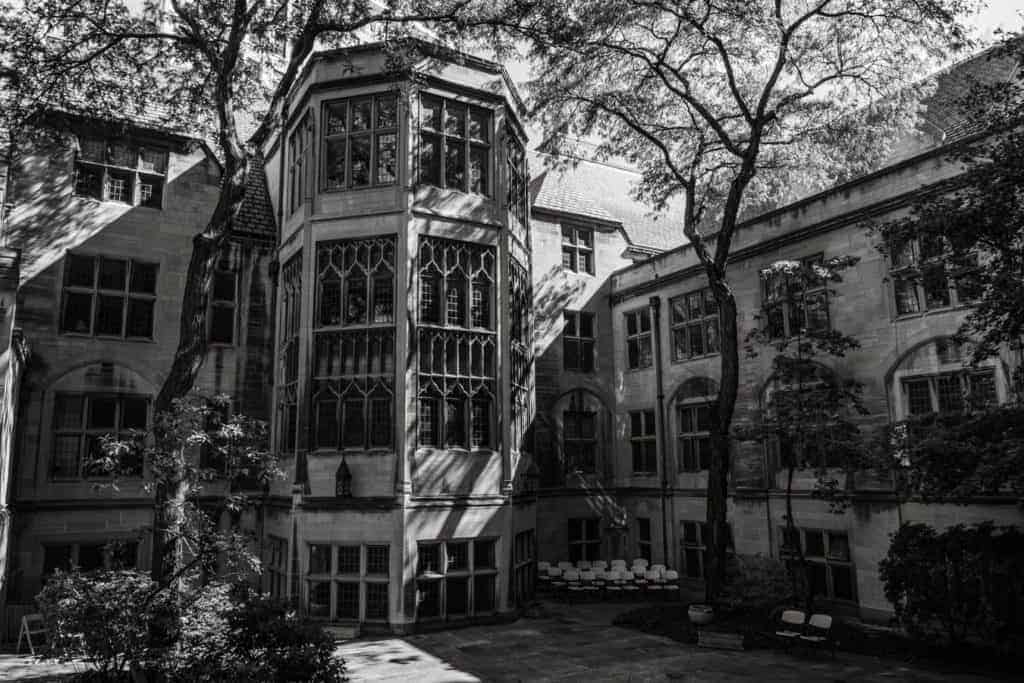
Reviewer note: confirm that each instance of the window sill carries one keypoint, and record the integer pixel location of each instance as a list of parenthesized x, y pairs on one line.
[(705, 356), (459, 328), (342, 190), (640, 369), (96, 200), (485, 197), (456, 450), (108, 338), (352, 450), (220, 345), (933, 311)]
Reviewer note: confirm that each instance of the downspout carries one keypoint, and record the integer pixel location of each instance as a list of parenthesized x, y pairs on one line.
[(655, 303)]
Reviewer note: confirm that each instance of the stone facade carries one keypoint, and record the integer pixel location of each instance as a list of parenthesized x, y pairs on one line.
[(461, 363), (403, 343), (102, 268)]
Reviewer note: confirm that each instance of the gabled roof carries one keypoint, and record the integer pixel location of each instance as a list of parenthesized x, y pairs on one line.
[(601, 192), (256, 215)]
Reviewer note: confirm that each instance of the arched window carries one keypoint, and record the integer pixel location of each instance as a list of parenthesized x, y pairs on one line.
[(934, 378), (88, 404), (695, 408)]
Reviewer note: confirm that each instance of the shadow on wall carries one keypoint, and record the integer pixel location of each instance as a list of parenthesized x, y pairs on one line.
[(48, 219), (558, 288)]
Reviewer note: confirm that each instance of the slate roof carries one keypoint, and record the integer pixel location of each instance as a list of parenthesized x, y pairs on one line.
[(256, 215), (603, 192), (943, 113)]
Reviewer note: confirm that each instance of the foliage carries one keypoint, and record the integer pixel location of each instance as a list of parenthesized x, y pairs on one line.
[(756, 582), (198, 449), (978, 219), (809, 416), (233, 635), (966, 582), (734, 107), (106, 617), (952, 457)]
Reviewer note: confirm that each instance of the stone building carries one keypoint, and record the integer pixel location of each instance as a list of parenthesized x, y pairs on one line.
[(404, 373), (460, 357), (100, 223), (625, 462)]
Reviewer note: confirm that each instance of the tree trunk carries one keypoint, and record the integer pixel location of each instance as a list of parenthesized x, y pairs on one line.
[(207, 246), (718, 475)]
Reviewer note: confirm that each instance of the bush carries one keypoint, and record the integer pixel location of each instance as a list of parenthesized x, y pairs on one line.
[(113, 619), (756, 582), (231, 634), (965, 583)]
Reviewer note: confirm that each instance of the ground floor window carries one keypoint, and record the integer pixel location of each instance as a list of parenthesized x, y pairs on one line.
[(456, 578), (584, 539), (829, 563), (524, 566), (694, 539), (643, 537), (276, 564), (86, 556), (348, 582)]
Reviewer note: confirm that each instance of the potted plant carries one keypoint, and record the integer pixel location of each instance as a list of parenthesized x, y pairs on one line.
[(700, 615)]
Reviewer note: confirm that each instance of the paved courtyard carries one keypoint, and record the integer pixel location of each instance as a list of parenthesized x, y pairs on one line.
[(567, 644), (579, 644)]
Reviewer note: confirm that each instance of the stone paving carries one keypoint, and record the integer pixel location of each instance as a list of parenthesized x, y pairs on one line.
[(578, 644), (574, 643)]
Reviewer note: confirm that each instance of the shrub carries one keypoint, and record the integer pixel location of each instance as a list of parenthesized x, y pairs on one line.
[(231, 634), (960, 584), (113, 619), (756, 582)]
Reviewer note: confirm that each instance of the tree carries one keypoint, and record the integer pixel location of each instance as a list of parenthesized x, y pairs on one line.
[(971, 228), (977, 218), (214, 462), (735, 107), (809, 420), (214, 69)]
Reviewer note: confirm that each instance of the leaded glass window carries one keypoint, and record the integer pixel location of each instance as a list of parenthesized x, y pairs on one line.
[(354, 353), (457, 345)]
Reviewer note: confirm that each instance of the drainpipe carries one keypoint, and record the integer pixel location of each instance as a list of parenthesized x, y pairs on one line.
[(656, 332)]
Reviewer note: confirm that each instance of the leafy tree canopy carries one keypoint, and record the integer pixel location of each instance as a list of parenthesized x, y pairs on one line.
[(977, 219)]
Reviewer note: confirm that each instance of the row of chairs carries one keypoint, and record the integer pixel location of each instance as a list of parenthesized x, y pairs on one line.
[(639, 563), (612, 582)]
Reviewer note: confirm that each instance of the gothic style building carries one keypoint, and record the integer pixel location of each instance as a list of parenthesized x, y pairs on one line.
[(404, 375), (468, 366)]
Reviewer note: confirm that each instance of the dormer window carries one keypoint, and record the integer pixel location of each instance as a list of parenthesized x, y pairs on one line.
[(578, 249), (455, 145), (120, 171)]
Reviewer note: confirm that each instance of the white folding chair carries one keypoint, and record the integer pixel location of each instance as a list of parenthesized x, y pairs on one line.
[(543, 566), (618, 564), (660, 568), (31, 625), (671, 585), (598, 564), (791, 626), (582, 565), (563, 565), (640, 562)]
